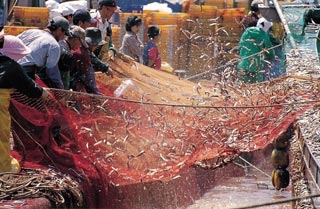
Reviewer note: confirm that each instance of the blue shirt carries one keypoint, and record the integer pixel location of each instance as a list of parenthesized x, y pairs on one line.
[(45, 53), (45, 48)]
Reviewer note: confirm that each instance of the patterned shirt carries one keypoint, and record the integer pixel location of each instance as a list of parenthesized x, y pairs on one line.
[(151, 52), (132, 46)]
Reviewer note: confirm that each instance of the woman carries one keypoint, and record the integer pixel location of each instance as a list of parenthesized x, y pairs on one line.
[(131, 44), (151, 54)]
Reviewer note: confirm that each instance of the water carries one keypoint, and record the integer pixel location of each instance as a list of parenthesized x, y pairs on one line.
[(254, 188)]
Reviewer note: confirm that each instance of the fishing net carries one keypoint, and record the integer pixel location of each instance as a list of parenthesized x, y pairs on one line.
[(157, 126)]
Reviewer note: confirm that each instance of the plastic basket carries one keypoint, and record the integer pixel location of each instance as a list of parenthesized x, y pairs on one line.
[(31, 16), (203, 11), (221, 4), (16, 30), (236, 12)]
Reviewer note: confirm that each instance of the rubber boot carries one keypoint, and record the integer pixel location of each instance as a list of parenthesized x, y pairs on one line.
[(7, 162)]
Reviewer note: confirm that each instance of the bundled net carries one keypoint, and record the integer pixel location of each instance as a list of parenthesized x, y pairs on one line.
[(156, 128)]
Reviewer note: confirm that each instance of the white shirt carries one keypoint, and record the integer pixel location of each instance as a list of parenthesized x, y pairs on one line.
[(102, 26)]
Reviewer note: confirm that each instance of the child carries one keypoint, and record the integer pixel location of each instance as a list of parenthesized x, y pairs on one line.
[(151, 54)]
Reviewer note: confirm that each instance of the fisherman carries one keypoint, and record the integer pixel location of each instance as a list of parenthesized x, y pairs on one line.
[(82, 18), (83, 76), (131, 44), (67, 12), (151, 54), (12, 76), (85, 63), (94, 40), (255, 47), (253, 16), (45, 51), (82, 80), (73, 42), (105, 10)]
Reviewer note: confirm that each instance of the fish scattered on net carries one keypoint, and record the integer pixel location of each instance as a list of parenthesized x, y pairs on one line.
[(158, 127)]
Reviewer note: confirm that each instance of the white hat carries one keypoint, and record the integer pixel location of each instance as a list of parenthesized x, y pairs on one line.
[(264, 24), (65, 10), (14, 48), (256, 2)]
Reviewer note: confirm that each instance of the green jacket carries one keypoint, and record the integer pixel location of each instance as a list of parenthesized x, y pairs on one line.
[(253, 41)]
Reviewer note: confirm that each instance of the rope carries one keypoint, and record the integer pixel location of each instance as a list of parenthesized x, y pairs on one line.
[(59, 189), (244, 160), (278, 202), (196, 106)]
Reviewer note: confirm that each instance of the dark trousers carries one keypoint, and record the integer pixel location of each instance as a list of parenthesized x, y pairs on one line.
[(30, 70)]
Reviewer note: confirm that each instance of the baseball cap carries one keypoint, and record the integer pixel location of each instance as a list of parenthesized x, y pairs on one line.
[(82, 15), (14, 48), (93, 36), (78, 32), (65, 11), (61, 22), (107, 3)]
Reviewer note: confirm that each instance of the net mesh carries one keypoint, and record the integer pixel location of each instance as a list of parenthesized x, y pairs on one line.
[(158, 127)]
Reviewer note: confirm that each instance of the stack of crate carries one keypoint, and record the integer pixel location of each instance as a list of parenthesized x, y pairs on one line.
[(31, 16), (25, 18), (170, 26), (215, 28), (231, 30), (221, 4), (197, 39), (116, 36)]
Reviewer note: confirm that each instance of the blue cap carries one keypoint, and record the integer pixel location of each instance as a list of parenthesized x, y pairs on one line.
[(82, 15)]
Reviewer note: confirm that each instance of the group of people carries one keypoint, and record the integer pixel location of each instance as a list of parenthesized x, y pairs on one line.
[(260, 48), (133, 47), (65, 55)]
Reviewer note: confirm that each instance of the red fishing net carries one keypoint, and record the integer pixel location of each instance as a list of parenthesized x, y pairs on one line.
[(140, 137)]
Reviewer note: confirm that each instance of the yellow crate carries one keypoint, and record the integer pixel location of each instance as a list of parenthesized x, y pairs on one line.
[(16, 30), (221, 4), (236, 12), (116, 37), (197, 11), (167, 43), (31, 16), (124, 17)]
